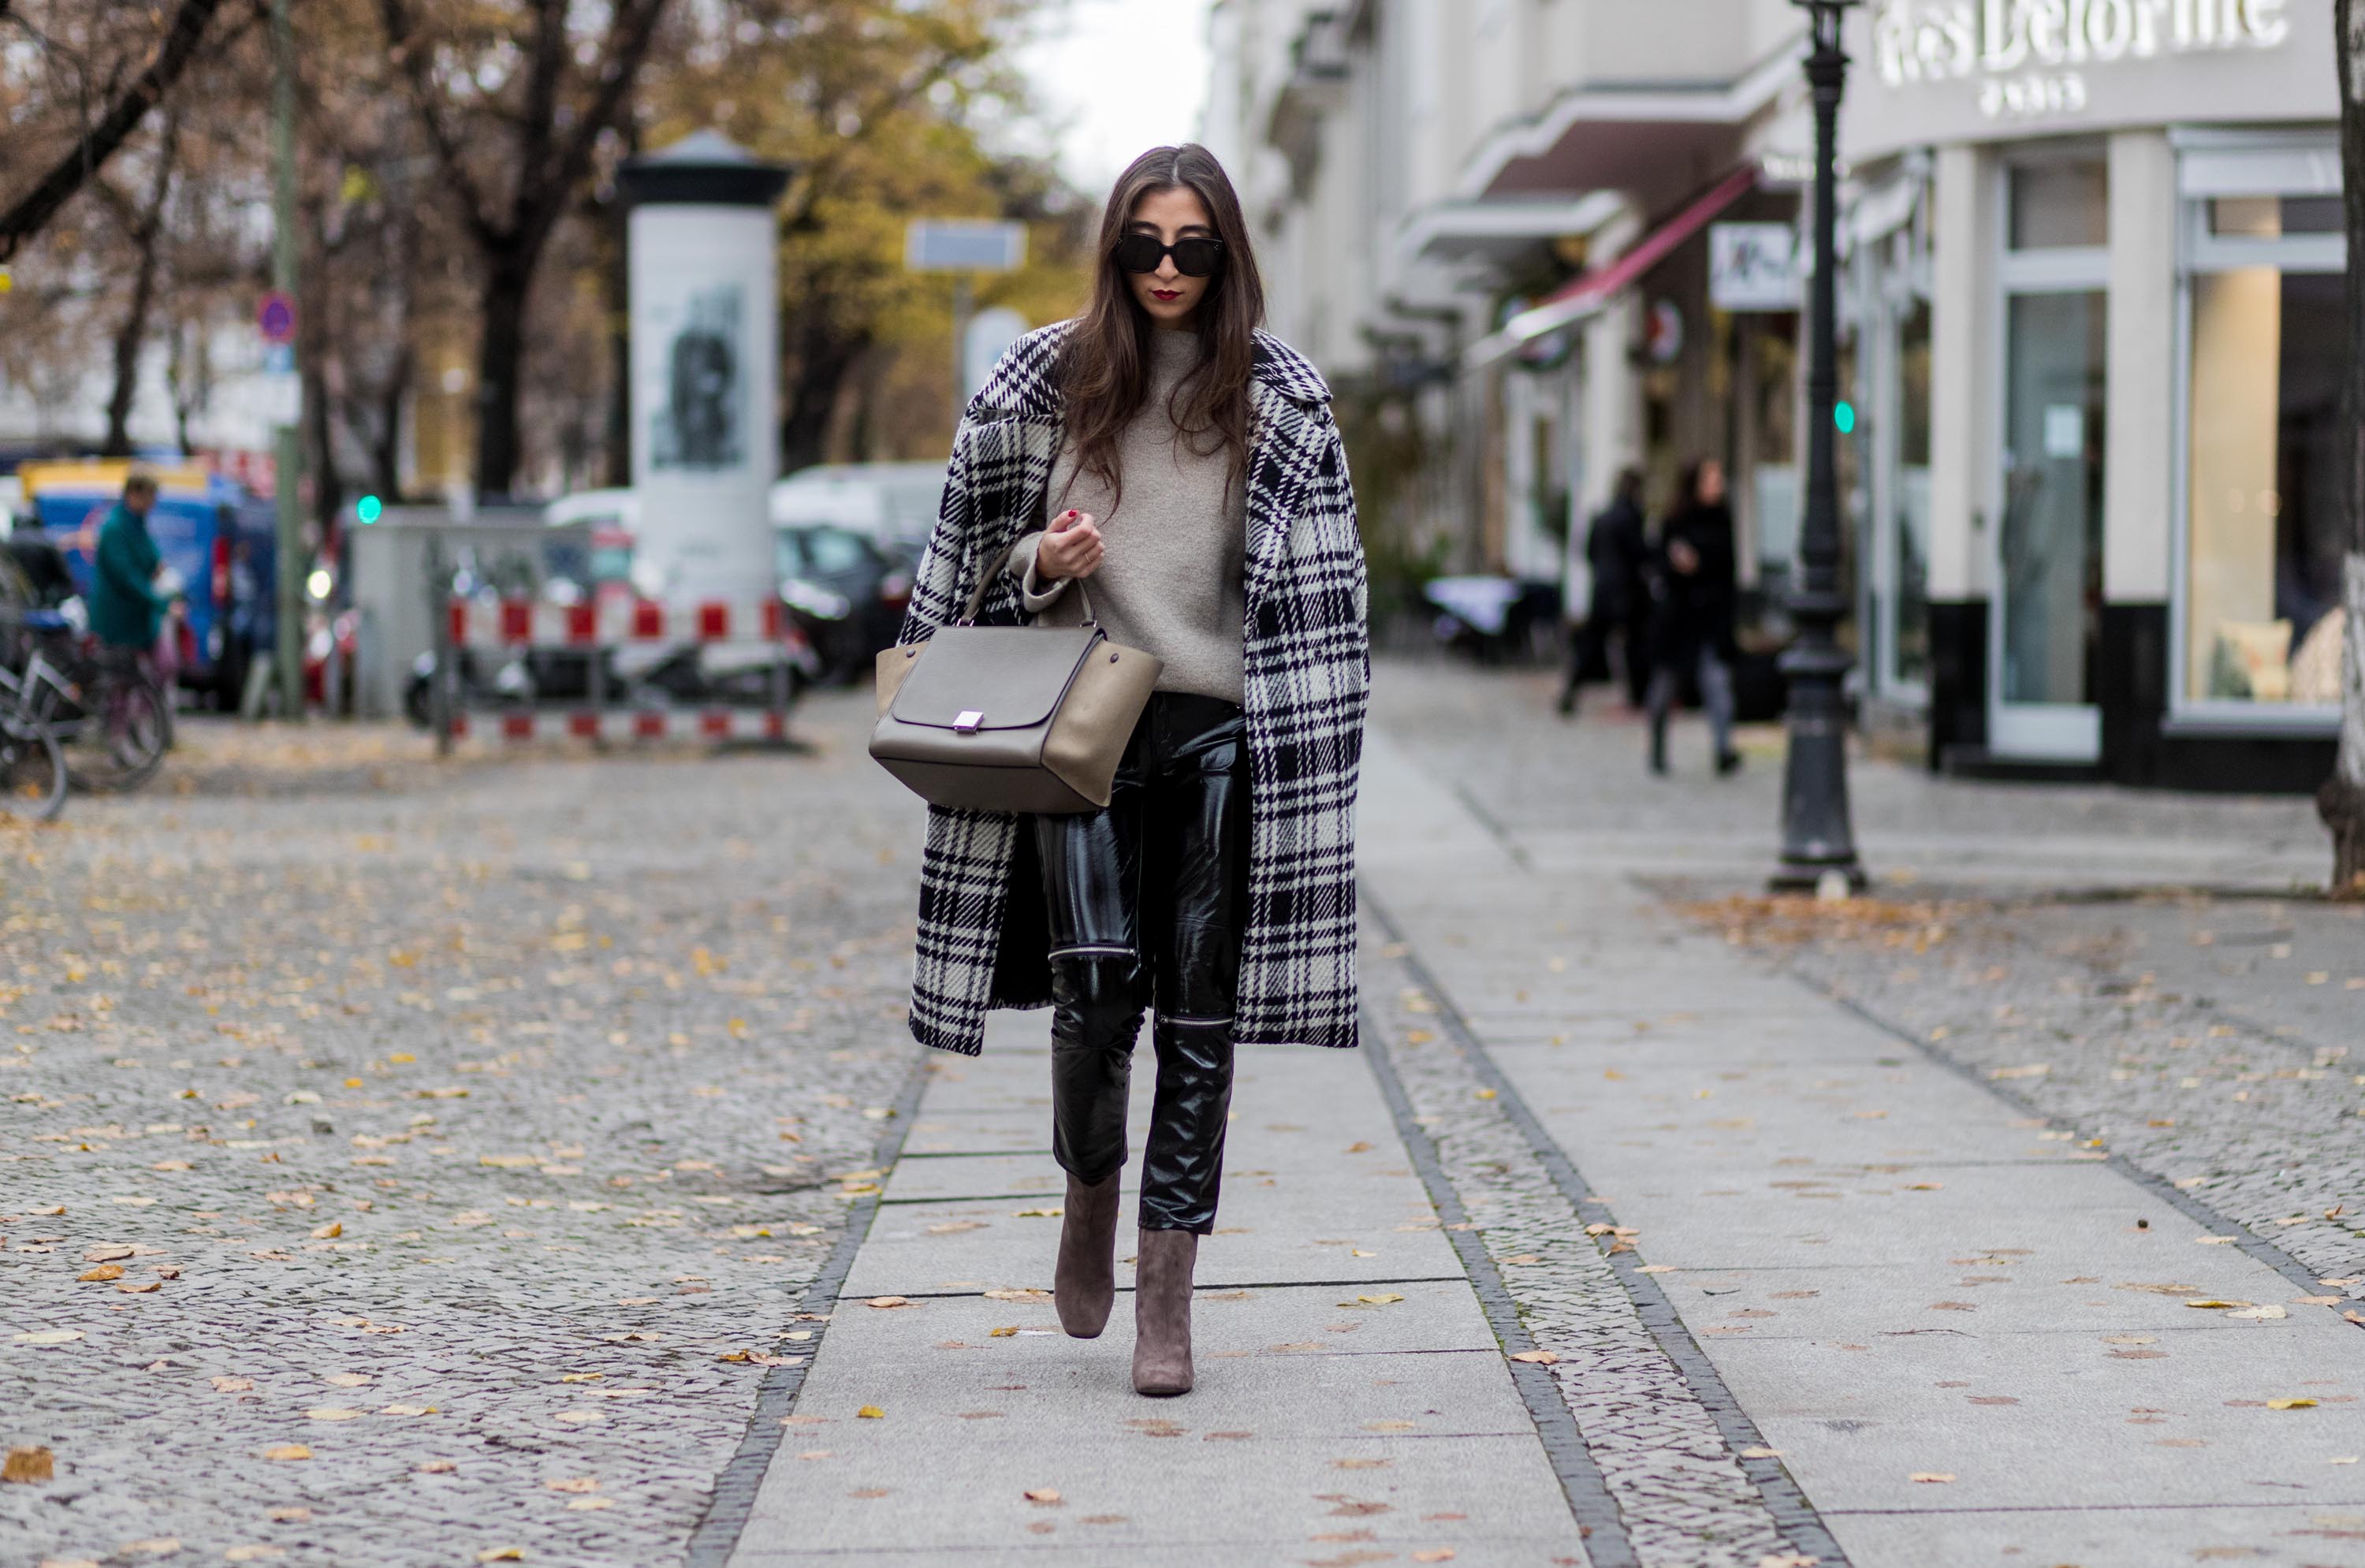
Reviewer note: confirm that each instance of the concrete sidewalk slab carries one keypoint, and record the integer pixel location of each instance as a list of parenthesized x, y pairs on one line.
[(1323, 1423)]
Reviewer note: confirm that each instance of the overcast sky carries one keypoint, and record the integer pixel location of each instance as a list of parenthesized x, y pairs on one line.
[(1118, 76)]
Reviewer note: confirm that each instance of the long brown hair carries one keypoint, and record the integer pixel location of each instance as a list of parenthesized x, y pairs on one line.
[(1103, 372)]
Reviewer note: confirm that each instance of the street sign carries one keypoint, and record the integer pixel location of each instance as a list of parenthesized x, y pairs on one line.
[(276, 316), (963, 245), (1755, 266)]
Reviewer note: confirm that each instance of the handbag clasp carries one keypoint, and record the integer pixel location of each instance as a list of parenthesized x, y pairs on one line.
[(968, 720)]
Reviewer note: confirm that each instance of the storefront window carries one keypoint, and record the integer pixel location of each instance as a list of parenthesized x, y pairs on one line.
[(2272, 218), (2052, 533), (2262, 584)]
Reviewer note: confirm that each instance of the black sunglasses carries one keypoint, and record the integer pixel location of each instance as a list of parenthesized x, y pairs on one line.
[(1195, 256)]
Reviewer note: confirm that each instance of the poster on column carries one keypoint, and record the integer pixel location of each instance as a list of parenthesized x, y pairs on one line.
[(704, 372), (698, 421)]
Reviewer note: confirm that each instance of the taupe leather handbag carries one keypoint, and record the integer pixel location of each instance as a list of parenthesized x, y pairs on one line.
[(1011, 718)]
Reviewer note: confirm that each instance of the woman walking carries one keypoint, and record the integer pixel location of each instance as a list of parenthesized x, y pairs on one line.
[(1692, 631), (1186, 463)]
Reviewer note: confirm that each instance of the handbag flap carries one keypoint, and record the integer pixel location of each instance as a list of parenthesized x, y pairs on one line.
[(992, 678)]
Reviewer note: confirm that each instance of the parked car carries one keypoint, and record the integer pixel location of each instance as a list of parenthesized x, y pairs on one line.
[(846, 593), (217, 538)]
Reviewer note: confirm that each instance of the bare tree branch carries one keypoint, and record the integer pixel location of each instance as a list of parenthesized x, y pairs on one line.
[(97, 145)]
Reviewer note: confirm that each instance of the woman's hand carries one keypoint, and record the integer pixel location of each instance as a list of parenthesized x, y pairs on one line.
[(1070, 548), (1680, 554)]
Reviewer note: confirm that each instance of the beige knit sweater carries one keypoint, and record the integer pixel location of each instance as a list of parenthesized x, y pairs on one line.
[(1170, 578)]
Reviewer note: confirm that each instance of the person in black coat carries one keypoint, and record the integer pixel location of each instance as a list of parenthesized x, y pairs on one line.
[(1695, 583), (1619, 555)]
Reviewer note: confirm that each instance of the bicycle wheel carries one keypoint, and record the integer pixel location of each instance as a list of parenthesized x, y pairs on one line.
[(32, 767), (120, 741)]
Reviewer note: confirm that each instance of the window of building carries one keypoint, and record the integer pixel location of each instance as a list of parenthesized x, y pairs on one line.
[(2060, 204), (2259, 611), (2046, 616)]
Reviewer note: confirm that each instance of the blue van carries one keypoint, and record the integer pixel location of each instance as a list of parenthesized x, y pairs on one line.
[(217, 536)]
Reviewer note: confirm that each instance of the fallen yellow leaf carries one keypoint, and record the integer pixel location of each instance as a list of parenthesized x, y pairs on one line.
[(104, 1272), (1001, 1333), (29, 1465), (1541, 1358), (872, 1413), (575, 1483), (335, 1227), (2291, 1404), (1381, 1300), (1046, 1495), (288, 1451), (1929, 1475)]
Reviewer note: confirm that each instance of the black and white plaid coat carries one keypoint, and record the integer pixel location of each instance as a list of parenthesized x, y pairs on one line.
[(982, 940)]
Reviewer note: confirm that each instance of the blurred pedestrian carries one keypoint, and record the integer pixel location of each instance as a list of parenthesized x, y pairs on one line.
[(1619, 554), (1118, 447), (1694, 586), (127, 606)]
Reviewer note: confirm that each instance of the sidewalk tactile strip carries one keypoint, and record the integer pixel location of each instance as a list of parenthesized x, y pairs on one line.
[(1661, 1437)]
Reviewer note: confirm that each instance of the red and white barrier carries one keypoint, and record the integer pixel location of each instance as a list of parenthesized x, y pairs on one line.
[(613, 623), (510, 625), (620, 725)]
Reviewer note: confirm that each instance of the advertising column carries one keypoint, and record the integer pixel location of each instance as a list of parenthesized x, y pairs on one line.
[(705, 337)]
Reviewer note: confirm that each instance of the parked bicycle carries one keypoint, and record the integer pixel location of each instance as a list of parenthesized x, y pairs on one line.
[(109, 717), (32, 764)]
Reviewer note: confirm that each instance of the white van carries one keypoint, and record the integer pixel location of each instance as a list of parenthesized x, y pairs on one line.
[(889, 503)]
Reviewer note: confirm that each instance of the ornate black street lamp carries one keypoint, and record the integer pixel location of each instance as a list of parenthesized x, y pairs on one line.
[(1818, 844)]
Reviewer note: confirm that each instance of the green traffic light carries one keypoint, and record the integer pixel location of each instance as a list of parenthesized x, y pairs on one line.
[(1844, 416), (368, 508)]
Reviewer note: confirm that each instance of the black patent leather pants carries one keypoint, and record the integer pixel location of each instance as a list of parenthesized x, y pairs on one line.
[(1146, 900)]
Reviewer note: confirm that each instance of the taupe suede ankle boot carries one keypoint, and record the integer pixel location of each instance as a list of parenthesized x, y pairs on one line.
[(1083, 1286), (1161, 1312)]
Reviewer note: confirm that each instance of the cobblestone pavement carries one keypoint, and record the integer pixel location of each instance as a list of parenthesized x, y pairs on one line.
[(1678, 1491), (450, 1123), (392, 1153)]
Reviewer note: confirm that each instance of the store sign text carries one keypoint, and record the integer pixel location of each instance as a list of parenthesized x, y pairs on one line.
[(2028, 56)]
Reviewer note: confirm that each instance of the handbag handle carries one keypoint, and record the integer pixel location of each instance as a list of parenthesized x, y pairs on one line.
[(985, 582)]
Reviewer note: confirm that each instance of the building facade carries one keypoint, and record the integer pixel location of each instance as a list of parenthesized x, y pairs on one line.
[(2090, 296), (2097, 303)]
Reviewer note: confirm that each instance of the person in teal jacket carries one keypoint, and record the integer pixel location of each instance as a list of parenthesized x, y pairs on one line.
[(124, 608)]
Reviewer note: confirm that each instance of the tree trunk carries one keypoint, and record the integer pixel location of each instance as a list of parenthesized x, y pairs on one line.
[(128, 339), (2341, 801), (501, 358), (823, 364), (322, 477), (146, 231), (386, 444)]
